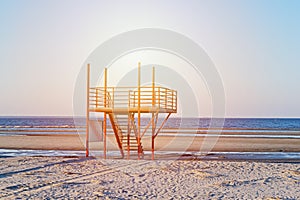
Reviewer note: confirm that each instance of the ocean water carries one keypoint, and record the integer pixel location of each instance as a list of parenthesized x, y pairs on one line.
[(66, 125), (40, 125), (258, 127), (239, 123)]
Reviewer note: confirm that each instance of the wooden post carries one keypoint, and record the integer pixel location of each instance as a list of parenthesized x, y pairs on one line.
[(139, 110), (128, 135), (128, 127), (104, 117), (153, 104), (87, 111)]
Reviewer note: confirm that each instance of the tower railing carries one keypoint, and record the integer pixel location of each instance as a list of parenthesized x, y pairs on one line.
[(127, 97)]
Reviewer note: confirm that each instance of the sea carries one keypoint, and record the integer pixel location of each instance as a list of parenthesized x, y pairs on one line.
[(69, 125)]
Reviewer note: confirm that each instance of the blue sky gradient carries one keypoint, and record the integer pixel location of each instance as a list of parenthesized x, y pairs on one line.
[(254, 44)]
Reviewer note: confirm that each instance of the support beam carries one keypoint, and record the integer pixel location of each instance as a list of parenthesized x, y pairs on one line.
[(162, 124), (104, 113), (87, 111), (150, 122), (153, 105), (128, 135), (113, 122), (139, 111), (135, 131)]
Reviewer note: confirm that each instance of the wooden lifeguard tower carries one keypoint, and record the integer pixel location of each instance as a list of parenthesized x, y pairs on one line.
[(125, 107)]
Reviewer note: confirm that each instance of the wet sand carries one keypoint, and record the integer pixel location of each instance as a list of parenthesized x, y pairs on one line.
[(162, 143)]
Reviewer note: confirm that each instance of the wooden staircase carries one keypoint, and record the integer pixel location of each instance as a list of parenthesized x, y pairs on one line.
[(125, 131)]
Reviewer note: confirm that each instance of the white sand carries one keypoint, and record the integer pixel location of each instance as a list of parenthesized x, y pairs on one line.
[(80, 178)]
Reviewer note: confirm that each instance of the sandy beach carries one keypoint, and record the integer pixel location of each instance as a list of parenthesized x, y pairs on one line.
[(168, 177), (82, 178)]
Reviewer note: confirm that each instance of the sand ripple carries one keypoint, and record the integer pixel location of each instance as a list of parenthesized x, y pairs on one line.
[(80, 178)]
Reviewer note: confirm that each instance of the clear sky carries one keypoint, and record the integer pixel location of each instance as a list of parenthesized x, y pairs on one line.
[(254, 44)]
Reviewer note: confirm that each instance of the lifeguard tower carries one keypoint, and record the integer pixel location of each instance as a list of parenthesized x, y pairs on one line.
[(125, 106)]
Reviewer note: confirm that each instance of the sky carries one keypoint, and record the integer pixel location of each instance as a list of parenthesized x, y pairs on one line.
[(254, 44)]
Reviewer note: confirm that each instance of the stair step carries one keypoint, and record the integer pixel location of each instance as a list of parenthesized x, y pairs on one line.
[(130, 141), (131, 145), (132, 149)]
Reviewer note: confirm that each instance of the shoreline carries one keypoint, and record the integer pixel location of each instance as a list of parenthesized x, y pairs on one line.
[(260, 157), (162, 143)]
